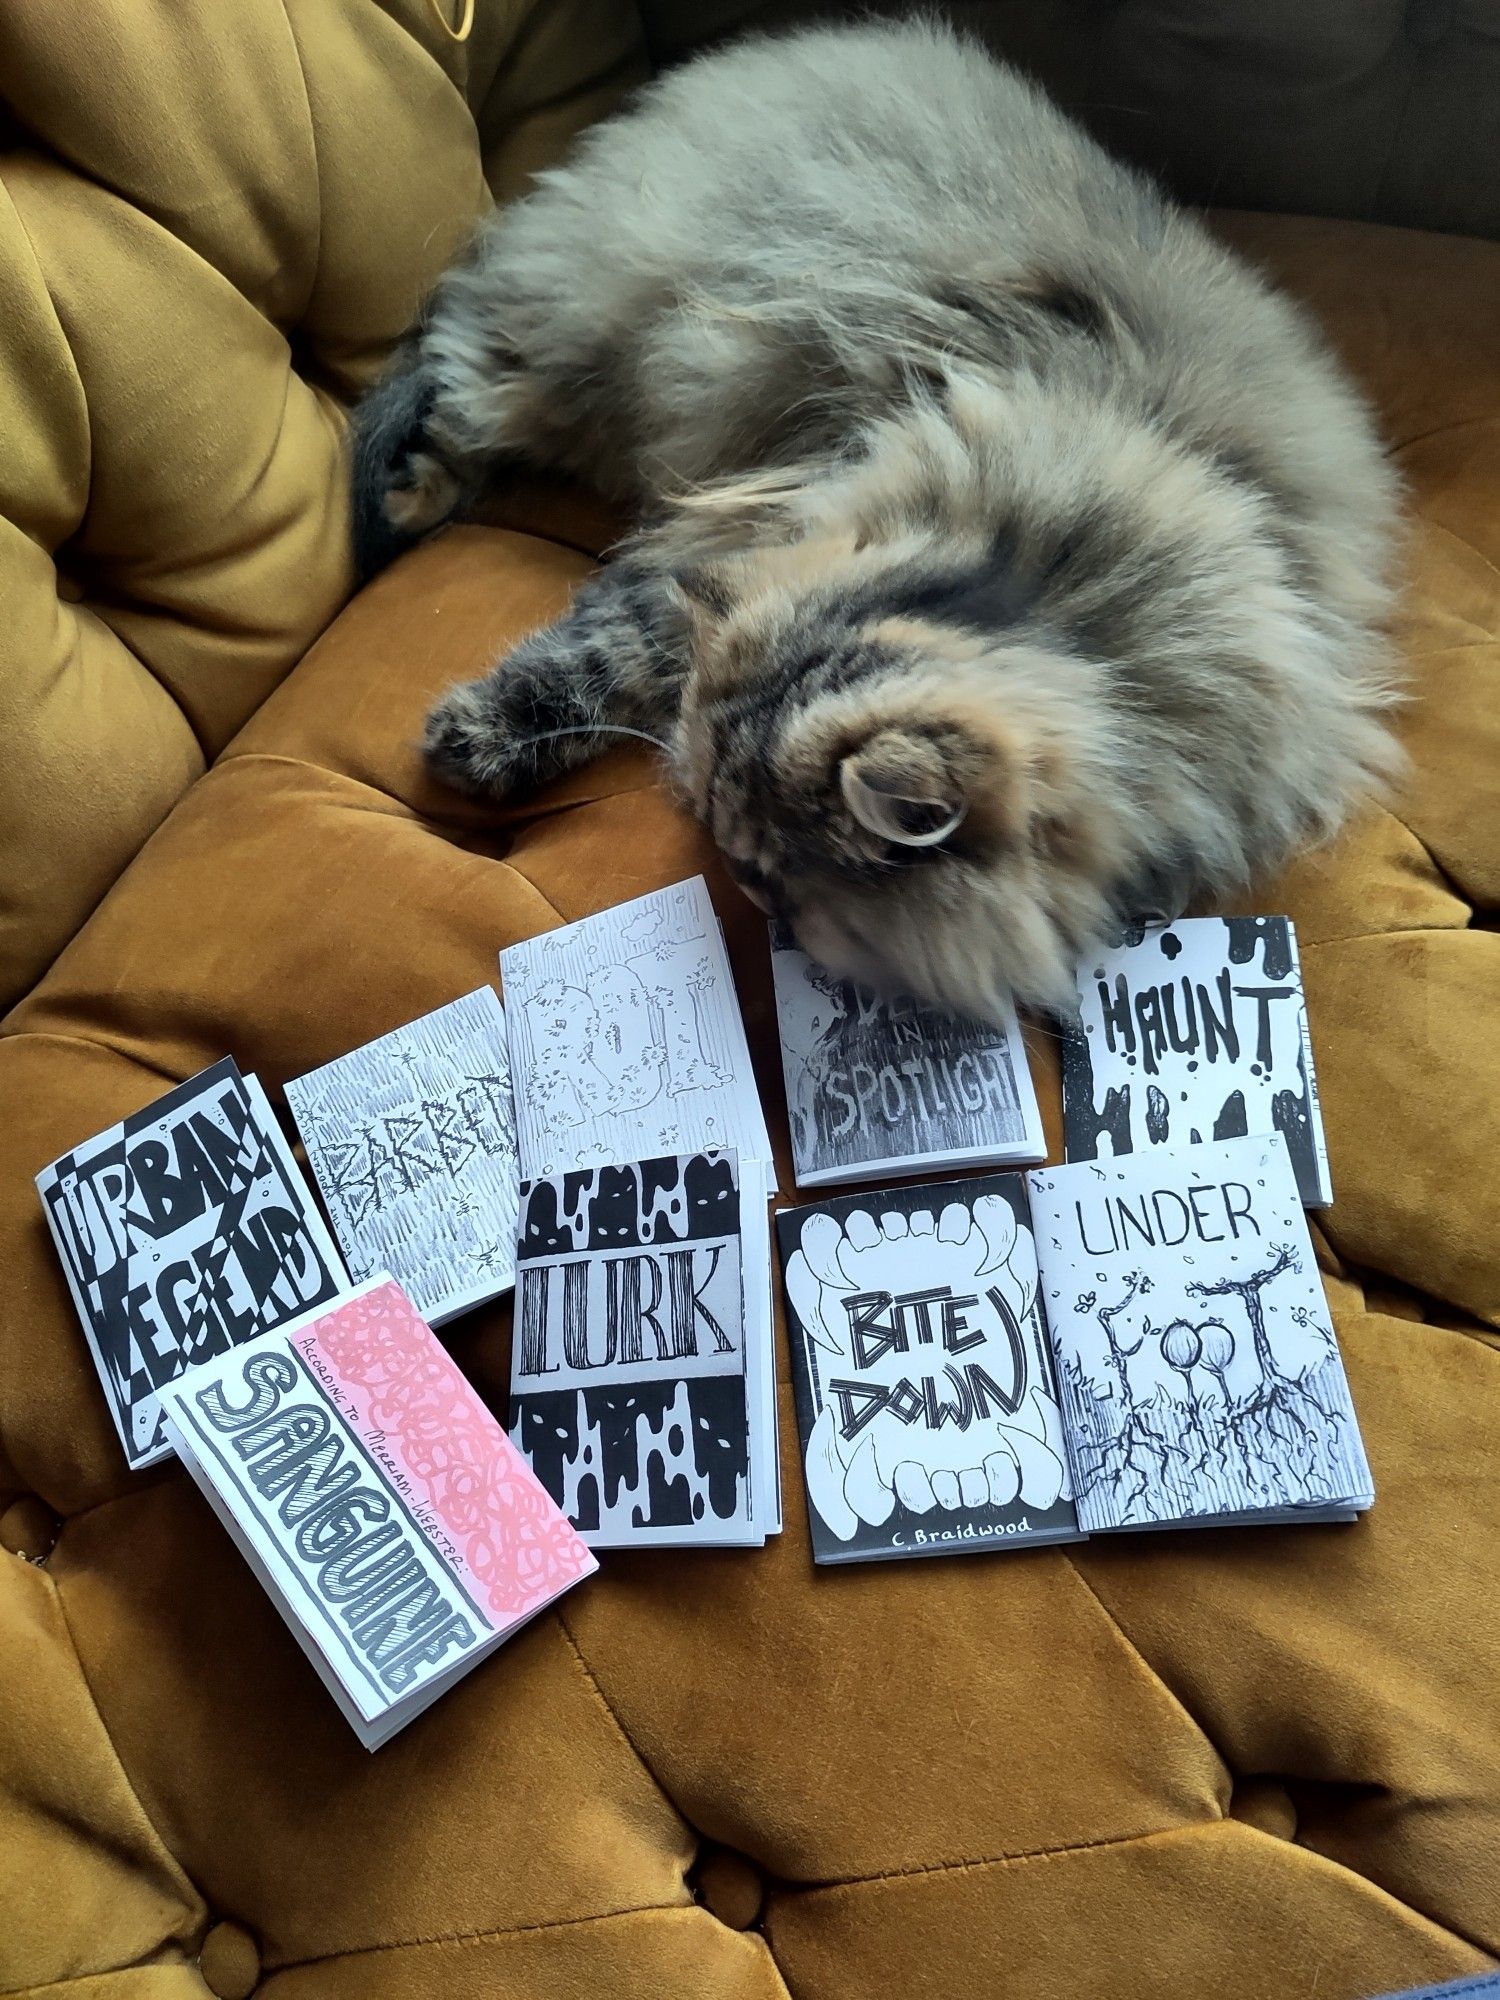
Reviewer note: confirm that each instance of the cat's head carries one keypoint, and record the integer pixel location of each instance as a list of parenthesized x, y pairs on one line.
[(919, 799)]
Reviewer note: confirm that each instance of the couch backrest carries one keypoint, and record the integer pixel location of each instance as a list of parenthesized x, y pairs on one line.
[(1383, 110), (214, 218)]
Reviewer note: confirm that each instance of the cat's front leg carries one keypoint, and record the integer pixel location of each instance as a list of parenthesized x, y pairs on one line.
[(613, 662)]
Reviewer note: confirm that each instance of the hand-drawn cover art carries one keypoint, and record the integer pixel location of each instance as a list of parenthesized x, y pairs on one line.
[(184, 1231), (879, 1085), (412, 1139), (629, 1390), (392, 1519), (1200, 1377), (924, 1382), (1192, 1032), (626, 1038)]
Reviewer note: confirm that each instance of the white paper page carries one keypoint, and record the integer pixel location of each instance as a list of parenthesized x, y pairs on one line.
[(182, 1442), (626, 1038), (317, 1229), (1197, 1362), (925, 1386), (632, 1395), (760, 1343), (889, 1087), (189, 1407), (412, 1140), (84, 1243), (1195, 1031)]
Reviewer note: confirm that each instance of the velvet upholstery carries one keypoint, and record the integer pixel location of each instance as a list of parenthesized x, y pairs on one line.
[(1168, 1765)]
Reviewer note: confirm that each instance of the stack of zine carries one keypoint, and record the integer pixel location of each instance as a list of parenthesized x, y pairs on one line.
[(598, 1141), (1084, 1349), (378, 1501), (643, 1373), (385, 1511), (183, 1231), (883, 1085)]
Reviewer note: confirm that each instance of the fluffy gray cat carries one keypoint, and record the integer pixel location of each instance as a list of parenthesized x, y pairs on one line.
[(1011, 561)]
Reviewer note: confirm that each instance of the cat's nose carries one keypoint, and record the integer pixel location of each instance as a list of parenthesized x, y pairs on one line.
[(754, 882)]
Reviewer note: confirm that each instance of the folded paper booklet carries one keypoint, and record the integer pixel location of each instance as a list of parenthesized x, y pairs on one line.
[(1141, 1343), (889, 1087), (184, 1231), (412, 1139), (1196, 1030), (634, 1395), (626, 1038), (389, 1517)]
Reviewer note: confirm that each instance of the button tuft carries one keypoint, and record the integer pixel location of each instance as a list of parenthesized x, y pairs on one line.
[(730, 1887), (230, 1962), (29, 1528)]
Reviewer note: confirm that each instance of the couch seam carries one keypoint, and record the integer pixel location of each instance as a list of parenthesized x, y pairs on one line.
[(229, 755), (1023, 1857), (1193, 1830), (74, 369), (194, 1893), (491, 1934), (1446, 878), (312, 144), (1152, 1673), (624, 1734)]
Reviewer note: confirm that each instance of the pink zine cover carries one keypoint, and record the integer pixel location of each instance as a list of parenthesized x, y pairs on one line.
[(487, 1515)]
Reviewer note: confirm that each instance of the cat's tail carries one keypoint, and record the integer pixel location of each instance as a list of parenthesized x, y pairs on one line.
[(404, 485)]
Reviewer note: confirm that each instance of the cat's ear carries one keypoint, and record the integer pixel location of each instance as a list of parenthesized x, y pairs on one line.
[(904, 786)]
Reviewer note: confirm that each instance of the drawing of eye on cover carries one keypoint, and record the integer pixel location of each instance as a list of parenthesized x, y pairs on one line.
[(1201, 1380), (924, 1384), (1193, 1032), (633, 1396), (886, 1085), (625, 1032)]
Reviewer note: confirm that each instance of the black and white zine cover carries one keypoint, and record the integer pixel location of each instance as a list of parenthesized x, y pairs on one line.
[(924, 1383), (1200, 1377), (626, 1039), (632, 1395), (184, 1231), (888, 1086), (412, 1139), (1192, 1032)]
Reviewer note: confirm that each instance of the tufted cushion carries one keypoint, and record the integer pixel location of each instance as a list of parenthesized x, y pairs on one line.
[(214, 218), (1247, 1764)]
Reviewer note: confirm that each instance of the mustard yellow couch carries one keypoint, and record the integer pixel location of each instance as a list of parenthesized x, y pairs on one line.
[(1246, 1766)]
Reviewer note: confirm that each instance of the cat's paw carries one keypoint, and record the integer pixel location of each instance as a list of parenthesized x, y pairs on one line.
[(402, 486), (470, 742)]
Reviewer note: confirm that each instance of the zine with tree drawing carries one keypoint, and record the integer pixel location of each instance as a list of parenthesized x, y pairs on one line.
[(1200, 1377), (632, 1395), (924, 1383), (412, 1140), (183, 1231), (626, 1038), (877, 1085), (1192, 1032)]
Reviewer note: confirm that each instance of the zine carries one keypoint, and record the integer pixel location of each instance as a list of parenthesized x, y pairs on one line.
[(1135, 1344), (412, 1139), (626, 1038), (887, 1086), (1193, 1032), (184, 1231), (632, 1396), (380, 1504)]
